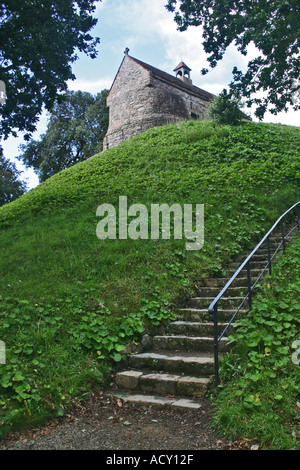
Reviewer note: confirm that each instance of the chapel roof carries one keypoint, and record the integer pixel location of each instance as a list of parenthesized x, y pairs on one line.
[(177, 82)]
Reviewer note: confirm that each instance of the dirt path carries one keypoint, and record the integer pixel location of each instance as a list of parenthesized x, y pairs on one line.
[(105, 424)]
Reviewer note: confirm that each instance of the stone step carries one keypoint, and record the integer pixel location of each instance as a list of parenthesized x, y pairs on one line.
[(258, 256), (263, 250), (163, 384), (202, 315), (153, 400), (254, 273), (274, 242), (255, 264), (240, 282), (187, 343), (191, 328), (198, 365), (276, 239), (224, 302), (214, 291)]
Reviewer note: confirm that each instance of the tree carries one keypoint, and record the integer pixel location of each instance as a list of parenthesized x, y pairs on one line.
[(273, 27), (226, 109), (75, 131), (39, 41), (10, 185)]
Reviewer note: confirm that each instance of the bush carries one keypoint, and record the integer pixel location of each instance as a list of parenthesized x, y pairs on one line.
[(225, 109)]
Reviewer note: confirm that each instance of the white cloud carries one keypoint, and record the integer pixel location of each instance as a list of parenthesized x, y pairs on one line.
[(146, 26), (291, 118), (93, 86), (99, 5)]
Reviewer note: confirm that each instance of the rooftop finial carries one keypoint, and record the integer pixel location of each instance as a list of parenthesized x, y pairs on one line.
[(126, 51)]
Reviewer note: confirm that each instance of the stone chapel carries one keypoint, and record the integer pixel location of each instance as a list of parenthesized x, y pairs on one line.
[(142, 97)]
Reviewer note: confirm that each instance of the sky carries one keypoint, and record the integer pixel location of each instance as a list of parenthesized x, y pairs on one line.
[(149, 31)]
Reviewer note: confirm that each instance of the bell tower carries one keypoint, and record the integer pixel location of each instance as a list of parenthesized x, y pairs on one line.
[(183, 73)]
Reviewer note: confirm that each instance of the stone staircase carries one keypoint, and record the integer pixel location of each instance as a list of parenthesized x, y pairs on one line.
[(178, 370)]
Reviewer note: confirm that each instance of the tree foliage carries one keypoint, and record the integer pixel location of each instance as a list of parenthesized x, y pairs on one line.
[(10, 185), (75, 132), (226, 109), (39, 41), (272, 78)]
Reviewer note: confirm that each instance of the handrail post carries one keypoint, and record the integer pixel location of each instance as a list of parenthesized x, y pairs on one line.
[(216, 345), (269, 256), (282, 233), (249, 285), (298, 219)]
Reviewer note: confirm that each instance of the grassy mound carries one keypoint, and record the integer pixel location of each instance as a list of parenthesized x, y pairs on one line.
[(70, 302)]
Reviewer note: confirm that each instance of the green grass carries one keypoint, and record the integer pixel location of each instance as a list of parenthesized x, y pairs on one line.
[(70, 302), (260, 395)]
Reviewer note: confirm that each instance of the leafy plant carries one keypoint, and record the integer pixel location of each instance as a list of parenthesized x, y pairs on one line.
[(226, 109), (261, 387)]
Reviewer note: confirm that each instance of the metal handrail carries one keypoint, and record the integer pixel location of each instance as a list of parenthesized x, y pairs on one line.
[(213, 308)]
